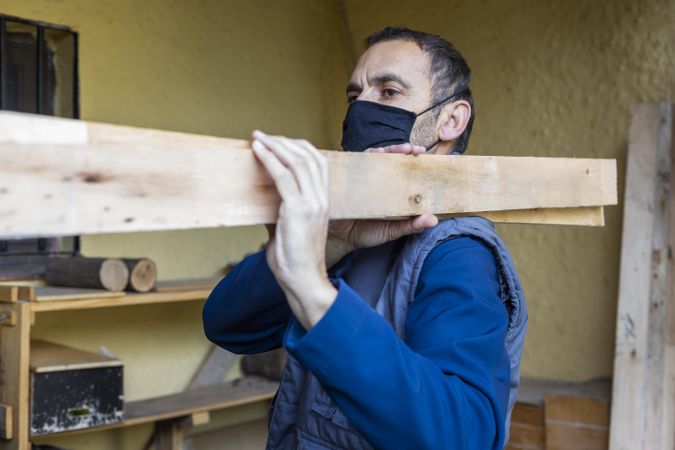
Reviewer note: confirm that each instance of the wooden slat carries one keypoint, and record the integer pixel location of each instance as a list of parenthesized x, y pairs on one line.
[(216, 364), (576, 423), (527, 427), (591, 216), (128, 299), (5, 422), (105, 178), (643, 396), (190, 284), (62, 294)]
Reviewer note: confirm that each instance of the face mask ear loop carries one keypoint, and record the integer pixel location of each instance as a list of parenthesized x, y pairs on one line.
[(432, 107), (432, 146), (457, 94)]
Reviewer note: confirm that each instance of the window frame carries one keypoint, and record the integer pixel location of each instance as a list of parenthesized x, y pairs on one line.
[(10, 263)]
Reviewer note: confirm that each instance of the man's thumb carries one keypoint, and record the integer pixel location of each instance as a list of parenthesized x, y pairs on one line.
[(400, 228)]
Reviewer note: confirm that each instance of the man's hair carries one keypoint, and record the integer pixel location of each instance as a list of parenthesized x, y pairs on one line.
[(449, 70)]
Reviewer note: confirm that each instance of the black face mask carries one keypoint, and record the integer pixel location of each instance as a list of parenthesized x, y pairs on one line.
[(371, 125)]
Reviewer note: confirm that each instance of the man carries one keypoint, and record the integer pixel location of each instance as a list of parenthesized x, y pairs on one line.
[(401, 334)]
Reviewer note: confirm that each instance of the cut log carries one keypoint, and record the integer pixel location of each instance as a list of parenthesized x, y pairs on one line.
[(73, 177), (96, 273), (142, 274)]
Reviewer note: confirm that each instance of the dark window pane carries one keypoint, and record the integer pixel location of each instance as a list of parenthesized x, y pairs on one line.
[(58, 84), (21, 67)]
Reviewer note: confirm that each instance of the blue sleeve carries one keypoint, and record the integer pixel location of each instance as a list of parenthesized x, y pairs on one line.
[(247, 311), (446, 385)]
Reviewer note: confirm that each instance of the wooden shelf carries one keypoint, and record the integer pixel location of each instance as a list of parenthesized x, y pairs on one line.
[(222, 396), (124, 300)]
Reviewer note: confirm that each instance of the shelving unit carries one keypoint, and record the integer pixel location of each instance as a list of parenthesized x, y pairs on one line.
[(17, 316)]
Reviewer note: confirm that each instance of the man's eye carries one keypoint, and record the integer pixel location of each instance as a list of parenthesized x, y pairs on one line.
[(389, 93)]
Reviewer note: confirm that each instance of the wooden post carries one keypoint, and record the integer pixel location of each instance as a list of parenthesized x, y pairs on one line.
[(14, 375), (170, 434), (643, 397)]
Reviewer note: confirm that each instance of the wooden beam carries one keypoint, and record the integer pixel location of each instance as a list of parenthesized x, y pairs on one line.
[(66, 177), (643, 399)]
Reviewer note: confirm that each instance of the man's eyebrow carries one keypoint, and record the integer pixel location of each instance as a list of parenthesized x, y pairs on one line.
[(353, 87), (380, 80), (387, 77)]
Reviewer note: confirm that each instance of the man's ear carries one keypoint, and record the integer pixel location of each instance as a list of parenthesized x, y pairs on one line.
[(453, 119)]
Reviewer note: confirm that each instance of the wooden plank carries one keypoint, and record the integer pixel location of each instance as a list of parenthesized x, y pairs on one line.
[(14, 351), (534, 391), (190, 284), (51, 357), (212, 398), (105, 174), (62, 294), (527, 427), (643, 396), (5, 422), (576, 423), (591, 216), (214, 367), (129, 299)]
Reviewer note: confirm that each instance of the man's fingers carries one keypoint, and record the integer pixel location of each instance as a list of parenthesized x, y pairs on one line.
[(400, 228), (407, 149), (301, 165), (283, 178)]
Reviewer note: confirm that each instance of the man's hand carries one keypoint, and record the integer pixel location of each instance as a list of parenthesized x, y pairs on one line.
[(345, 236), (296, 250)]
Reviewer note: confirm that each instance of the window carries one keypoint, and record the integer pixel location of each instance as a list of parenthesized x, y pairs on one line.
[(38, 74)]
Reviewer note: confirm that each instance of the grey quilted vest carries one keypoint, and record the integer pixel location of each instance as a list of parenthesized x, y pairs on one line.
[(304, 416)]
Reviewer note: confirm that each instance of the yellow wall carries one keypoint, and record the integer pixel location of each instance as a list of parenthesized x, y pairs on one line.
[(214, 67), (554, 78)]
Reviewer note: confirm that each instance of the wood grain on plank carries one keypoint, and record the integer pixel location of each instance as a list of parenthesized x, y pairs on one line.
[(200, 181)]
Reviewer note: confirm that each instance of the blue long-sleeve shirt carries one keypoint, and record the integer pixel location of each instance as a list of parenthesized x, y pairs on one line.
[(445, 386)]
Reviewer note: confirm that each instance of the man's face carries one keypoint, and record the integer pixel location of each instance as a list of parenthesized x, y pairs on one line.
[(396, 73)]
